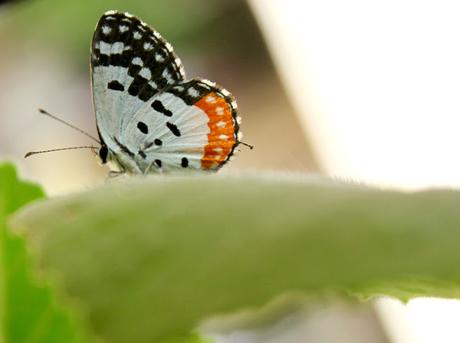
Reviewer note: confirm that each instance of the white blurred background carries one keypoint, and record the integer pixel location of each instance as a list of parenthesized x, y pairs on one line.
[(376, 86)]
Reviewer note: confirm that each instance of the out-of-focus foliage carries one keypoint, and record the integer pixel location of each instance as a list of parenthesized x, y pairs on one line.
[(67, 26), (9, 2), (28, 309), (150, 258)]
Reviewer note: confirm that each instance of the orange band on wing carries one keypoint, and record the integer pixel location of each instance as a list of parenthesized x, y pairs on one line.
[(221, 137)]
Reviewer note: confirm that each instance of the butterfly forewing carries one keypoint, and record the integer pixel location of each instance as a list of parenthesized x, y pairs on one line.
[(150, 118)]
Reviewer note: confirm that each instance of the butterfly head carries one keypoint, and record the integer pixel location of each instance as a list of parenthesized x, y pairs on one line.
[(103, 153)]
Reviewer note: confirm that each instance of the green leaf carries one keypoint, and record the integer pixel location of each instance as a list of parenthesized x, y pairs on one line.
[(151, 258), (14, 193), (28, 311)]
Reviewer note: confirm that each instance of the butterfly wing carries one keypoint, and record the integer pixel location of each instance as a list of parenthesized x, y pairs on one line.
[(191, 125), (130, 63), (148, 116)]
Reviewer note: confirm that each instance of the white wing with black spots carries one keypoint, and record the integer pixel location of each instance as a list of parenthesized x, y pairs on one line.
[(167, 134), (149, 118), (130, 63)]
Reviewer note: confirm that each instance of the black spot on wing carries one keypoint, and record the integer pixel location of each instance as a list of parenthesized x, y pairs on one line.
[(115, 85), (143, 127), (157, 105), (139, 87), (184, 162), (134, 69), (142, 154), (173, 129), (146, 92), (158, 163), (102, 60), (157, 142), (122, 60), (136, 86)]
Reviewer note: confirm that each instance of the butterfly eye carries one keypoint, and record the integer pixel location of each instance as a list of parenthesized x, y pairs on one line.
[(103, 152)]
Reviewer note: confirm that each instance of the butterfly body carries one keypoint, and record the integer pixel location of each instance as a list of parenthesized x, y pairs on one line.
[(149, 117)]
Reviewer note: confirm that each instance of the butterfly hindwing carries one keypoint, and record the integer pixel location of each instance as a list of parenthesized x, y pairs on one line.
[(189, 125), (222, 119), (150, 118)]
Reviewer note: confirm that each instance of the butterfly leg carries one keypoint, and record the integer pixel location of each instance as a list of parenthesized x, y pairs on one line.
[(147, 170)]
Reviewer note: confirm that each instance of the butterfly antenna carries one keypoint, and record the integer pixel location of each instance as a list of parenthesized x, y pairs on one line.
[(42, 111), (30, 153), (246, 144)]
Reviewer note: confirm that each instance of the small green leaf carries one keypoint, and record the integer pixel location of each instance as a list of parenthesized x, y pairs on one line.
[(28, 311), (14, 193), (151, 258)]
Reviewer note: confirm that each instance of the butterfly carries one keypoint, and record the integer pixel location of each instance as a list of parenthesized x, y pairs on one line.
[(149, 117)]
